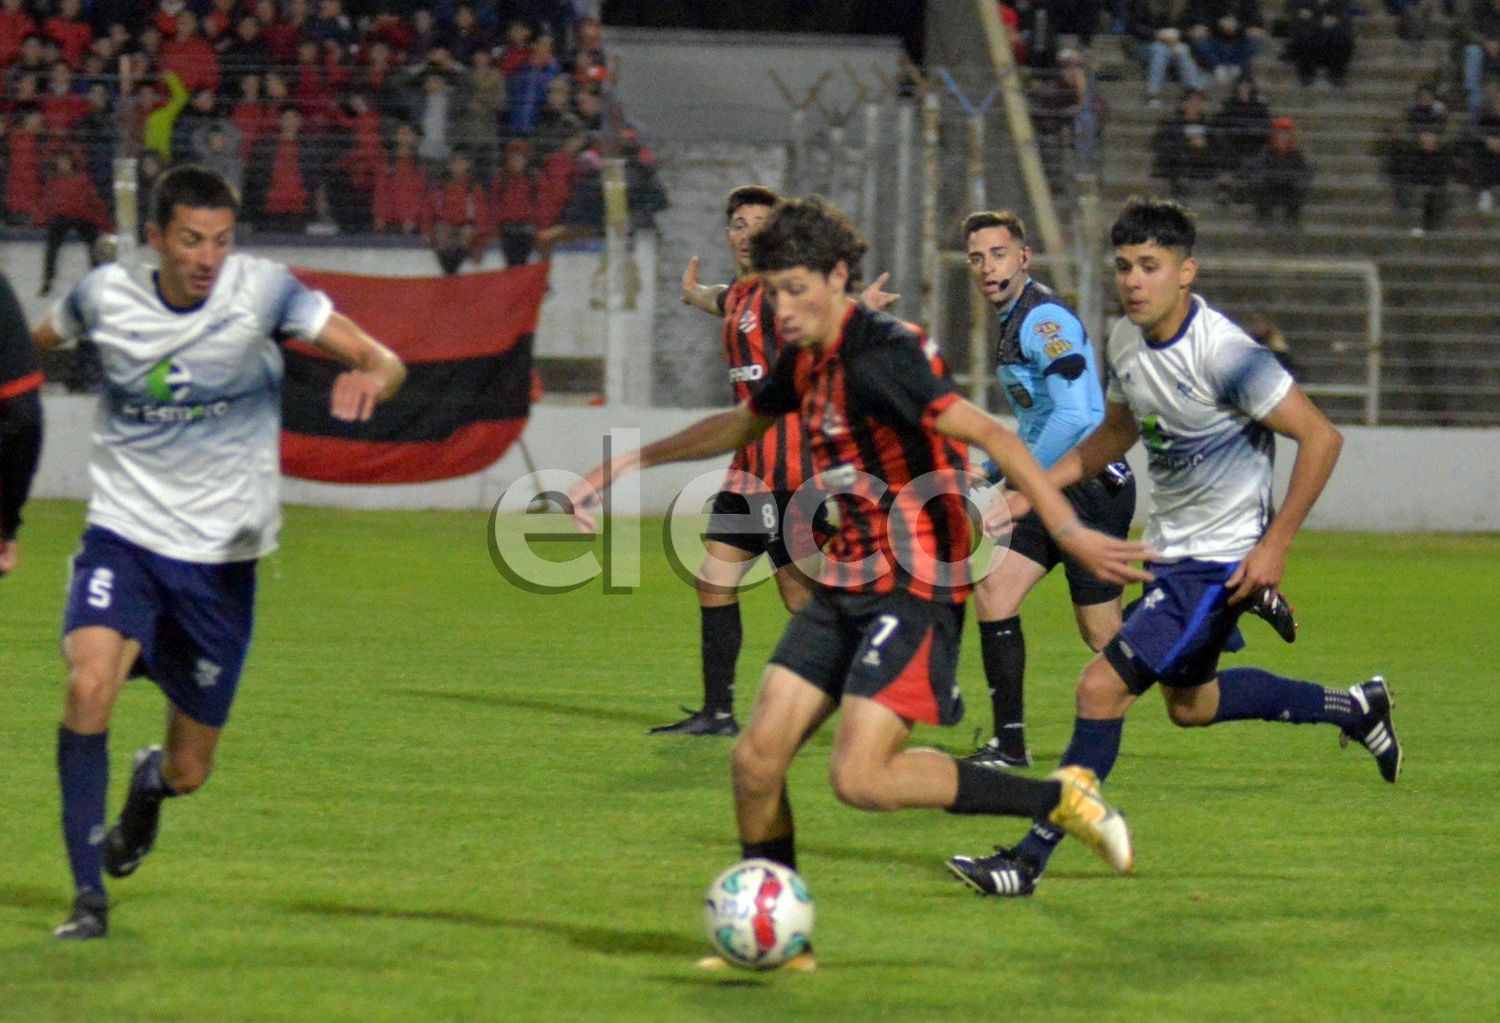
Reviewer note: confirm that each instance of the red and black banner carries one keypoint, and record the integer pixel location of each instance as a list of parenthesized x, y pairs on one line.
[(466, 342)]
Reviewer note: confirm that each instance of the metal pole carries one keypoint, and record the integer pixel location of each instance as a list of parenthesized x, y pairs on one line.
[(1090, 304), (1375, 312), (1018, 117), (616, 225), (797, 152), (872, 165), (932, 112), (903, 204), (127, 209)]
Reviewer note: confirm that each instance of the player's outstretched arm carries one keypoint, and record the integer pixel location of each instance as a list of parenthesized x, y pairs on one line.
[(701, 296), (712, 435), (1104, 556), (374, 373), (1318, 445)]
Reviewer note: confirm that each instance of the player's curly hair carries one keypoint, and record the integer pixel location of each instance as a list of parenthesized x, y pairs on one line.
[(749, 195), (1149, 219), (811, 233)]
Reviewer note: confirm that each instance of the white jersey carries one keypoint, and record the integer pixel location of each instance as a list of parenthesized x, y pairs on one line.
[(1198, 398), (186, 446)]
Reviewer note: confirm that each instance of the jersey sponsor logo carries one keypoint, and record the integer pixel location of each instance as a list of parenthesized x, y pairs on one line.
[(839, 477), (158, 414), (834, 424), (745, 374), (748, 321), (1152, 599), (1019, 394), (168, 381), (1057, 346)]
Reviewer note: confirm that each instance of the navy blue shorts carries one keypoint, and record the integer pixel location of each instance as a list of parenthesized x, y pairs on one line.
[(1175, 633), (193, 621)]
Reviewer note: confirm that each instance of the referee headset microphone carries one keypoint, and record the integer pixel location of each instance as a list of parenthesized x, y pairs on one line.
[(1025, 265)]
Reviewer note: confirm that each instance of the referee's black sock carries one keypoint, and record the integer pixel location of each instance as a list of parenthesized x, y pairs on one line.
[(984, 790), (722, 636), (1003, 647)]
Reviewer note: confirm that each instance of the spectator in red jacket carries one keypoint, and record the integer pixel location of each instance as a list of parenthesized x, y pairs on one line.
[(514, 199), (310, 87), (517, 53), (555, 184), (23, 169), (15, 25), (218, 23), (191, 56), (70, 32), (283, 177), (457, 217), (253, 117), (62, 106), (281, 34), (69, 204), (401, 192)]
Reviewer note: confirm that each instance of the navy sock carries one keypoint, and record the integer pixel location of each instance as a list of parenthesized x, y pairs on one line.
[(83, 773), (1003, 647), (1095, 745), (722, 635), (1250, 694)]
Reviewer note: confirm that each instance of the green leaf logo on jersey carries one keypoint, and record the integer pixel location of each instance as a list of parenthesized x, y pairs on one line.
[(1152, 433), (168, 381)]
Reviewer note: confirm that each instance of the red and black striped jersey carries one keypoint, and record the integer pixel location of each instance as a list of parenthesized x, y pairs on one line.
[(780, 457), (869, 401), (20, 371)]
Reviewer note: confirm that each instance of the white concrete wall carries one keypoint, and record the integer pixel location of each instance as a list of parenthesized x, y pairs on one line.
[(1388, 480)]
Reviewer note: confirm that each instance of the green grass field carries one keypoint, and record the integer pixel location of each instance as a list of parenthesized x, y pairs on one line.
[(436, 801)]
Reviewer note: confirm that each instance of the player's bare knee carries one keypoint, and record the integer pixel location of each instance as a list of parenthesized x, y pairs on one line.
[(754, 768), (854, 785), (90, 694), (1188, 715)]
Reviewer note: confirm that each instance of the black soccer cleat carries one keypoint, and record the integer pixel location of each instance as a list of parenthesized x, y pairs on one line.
[(1272, 606), (1375, 729), (701, 722), (90, 918), (1004, 874), (992, 754), (131, 837)]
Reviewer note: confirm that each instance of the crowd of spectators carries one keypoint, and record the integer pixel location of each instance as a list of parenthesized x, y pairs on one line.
[(461, 122), (1241, 152)]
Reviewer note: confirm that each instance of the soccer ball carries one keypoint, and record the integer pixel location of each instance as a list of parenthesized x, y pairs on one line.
[(758, 914)]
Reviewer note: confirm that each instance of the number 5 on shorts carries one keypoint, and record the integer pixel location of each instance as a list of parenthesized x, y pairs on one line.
[(101, 585)]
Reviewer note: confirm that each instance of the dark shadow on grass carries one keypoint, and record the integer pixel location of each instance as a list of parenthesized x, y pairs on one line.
[(31, 897), (521, 703), (609, 940)]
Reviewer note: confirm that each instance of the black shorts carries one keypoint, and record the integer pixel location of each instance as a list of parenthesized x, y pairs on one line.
[(1105, 503), (896, 649), (755, 523)]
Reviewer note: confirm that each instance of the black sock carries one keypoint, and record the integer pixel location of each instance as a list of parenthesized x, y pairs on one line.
[(778, 850), (983, 790), (1004, 648), (148, 787), (721, 648)]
